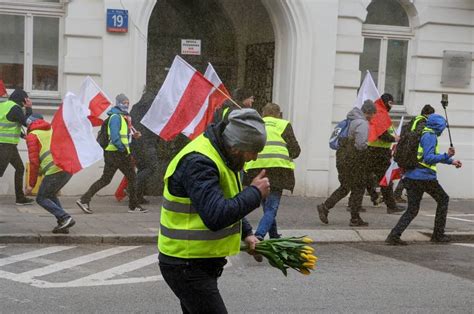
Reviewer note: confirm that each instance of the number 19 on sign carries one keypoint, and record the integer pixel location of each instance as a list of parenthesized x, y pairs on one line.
[(117, 21)]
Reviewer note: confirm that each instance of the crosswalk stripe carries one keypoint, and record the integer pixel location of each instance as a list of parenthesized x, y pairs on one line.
[(43, 271), (121, 269), (465, 244), (33, 254)]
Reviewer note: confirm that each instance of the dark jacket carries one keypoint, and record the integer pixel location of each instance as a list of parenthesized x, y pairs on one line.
[(428, 141), (197, 177), (351, 157), (280, 178)]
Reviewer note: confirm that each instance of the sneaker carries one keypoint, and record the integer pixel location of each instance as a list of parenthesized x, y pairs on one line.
[(64, 225), (260, 238), (396, 209), (277, 236), (400, 199), (84, 206), (378, 201), (358, 222), (323, 212), (394, 240), (24, 201), (138, 209), (440, 238)]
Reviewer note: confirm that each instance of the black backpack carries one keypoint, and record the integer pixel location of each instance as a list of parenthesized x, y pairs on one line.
[(102, 136), (406, 152)]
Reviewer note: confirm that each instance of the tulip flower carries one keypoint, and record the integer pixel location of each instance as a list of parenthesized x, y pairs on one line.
[(291, 252)]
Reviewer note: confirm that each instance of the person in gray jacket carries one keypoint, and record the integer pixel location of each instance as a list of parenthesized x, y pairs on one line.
[(351, 165)]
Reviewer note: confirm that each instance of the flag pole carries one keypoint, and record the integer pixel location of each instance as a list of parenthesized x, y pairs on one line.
[(217, 88)]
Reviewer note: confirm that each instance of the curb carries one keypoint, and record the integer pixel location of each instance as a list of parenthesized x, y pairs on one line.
[(320, 236)]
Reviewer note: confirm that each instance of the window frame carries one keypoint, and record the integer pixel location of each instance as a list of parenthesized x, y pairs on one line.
[(29, 11), (385, 33)]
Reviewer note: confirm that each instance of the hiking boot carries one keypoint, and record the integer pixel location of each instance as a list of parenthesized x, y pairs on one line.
[(400, 199), (396, 209), (394, 240), (24, 201), (440, 238), (63, 225), (84, 206), (323, 212), (138, 209), (358, 222)]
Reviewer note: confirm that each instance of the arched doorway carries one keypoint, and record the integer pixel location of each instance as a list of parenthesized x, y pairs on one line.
[(236, 36)]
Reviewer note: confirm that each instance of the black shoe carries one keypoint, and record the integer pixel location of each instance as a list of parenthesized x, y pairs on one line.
[(260, 238), (277, 236), (323, 212), (24, 201), (143, 201), (441, 238), (396, 209), (84, 206), (358, 222), (394, 240), (63, 225)]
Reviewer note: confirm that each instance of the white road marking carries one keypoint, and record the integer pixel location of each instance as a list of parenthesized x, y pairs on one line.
[(33, 254), (43, 271), (451, 217), (464, 244)]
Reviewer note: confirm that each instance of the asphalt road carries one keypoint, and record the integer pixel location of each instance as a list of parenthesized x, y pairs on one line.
[(356, 278)]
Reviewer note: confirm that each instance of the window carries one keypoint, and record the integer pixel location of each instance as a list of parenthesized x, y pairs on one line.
[(386, 34), (29, 54)]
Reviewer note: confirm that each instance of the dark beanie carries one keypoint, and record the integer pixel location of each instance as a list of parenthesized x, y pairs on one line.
[(18, 96), (240, 94), (427, 109)]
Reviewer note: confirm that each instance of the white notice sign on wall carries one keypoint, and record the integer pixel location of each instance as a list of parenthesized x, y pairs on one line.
[(191, 47)]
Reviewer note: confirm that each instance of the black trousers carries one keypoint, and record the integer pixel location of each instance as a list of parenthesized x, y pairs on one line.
[(147, 162), (415, 191), (115, 161), (379, 161), (195, 285), (9, 155), (355, 199)]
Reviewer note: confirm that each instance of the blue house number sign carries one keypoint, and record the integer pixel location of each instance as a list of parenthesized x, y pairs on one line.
[(117, 21)]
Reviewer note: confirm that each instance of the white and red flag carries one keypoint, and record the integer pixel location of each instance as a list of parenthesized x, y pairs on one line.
[(179, 100), (214, 100), (3, 90), (95, 99), (381, 120), (393, 172), (73, 144)]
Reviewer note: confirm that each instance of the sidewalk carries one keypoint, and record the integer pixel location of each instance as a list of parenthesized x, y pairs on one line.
[(111, 223)]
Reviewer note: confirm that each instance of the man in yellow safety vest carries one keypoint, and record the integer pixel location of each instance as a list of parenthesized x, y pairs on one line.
[(204, 205)]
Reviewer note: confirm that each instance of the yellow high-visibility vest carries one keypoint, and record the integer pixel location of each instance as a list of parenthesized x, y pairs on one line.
[(182, 232), (275, 153), (421, 151), (9, 131), (47, 165), (123, 135)]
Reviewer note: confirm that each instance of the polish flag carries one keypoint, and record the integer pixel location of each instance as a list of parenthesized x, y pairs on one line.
[(393, 172), (214, 100), (3, 90), (95, 99), (73, 144), (179, 100), (381, 120)]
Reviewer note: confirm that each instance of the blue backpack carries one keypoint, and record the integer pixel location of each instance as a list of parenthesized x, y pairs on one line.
[(340, 132)]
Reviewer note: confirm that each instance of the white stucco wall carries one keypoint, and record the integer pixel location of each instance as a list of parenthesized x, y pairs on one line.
[(318, 44)]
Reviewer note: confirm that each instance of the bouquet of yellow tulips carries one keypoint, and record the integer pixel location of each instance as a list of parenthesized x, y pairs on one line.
[(284, 253)]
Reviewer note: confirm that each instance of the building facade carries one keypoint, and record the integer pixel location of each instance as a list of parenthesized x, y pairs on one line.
[(309, 56)]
